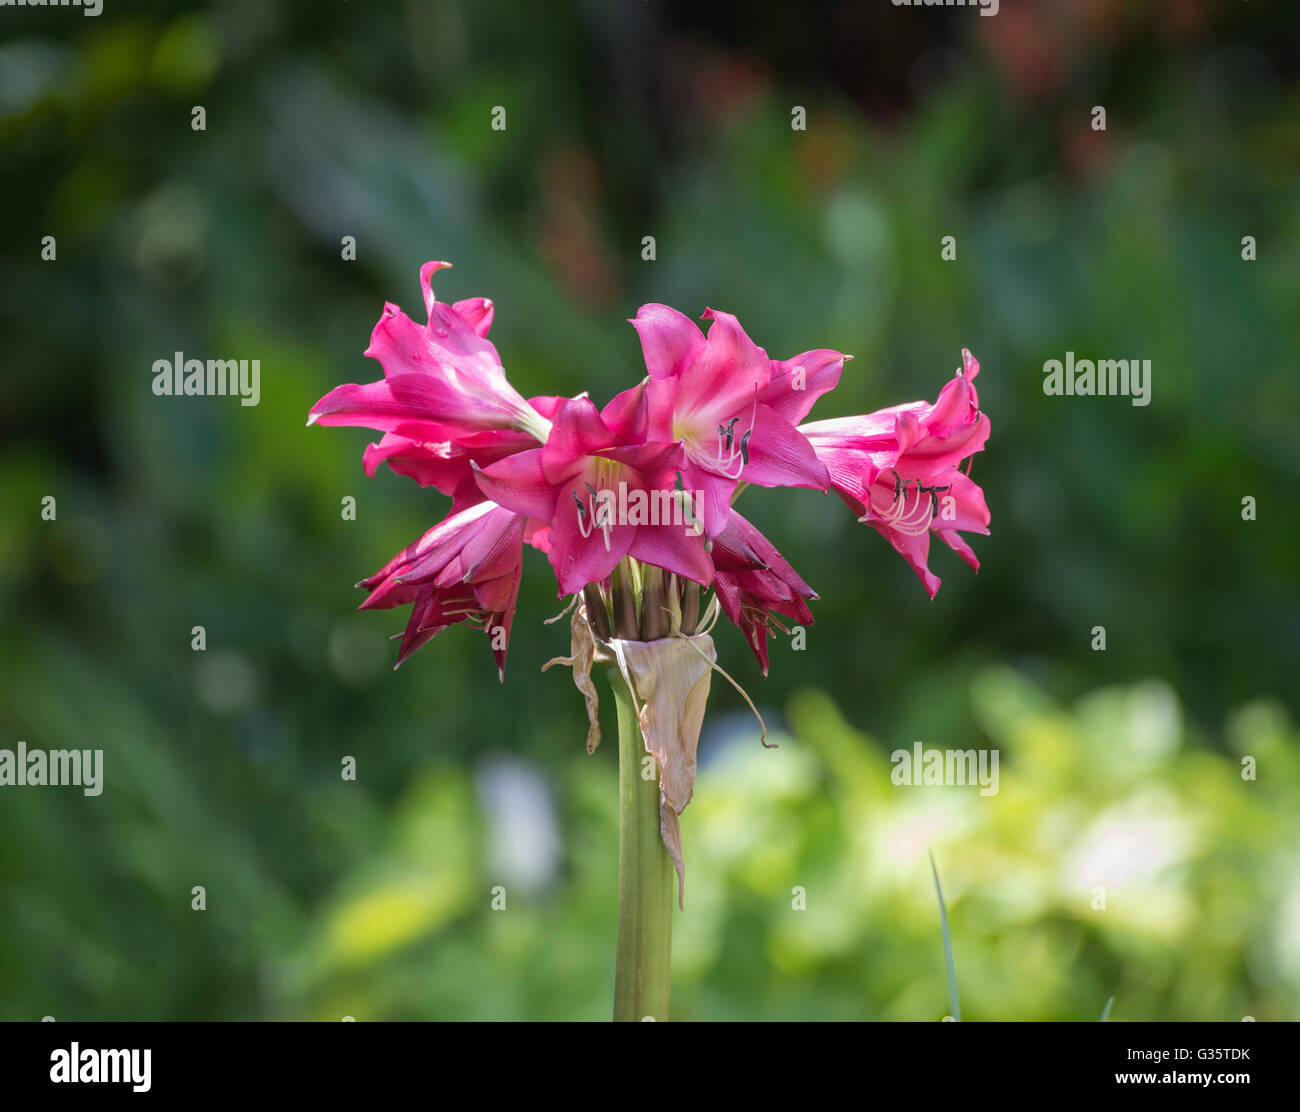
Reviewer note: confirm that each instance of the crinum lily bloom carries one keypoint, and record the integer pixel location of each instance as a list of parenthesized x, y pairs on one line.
[(756, 586), (442, 380), (465, 569), (898, 469), (633, 506), (718, 398), (445, 406), (590, 470)]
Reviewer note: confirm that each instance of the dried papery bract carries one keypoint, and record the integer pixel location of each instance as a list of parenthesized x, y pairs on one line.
[(671, 678), (582, 649)]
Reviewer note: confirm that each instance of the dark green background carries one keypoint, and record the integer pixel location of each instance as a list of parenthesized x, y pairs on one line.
[(625, 119)]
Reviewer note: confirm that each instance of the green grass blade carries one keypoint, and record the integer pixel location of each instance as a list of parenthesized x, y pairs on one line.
[(953, 1002), (1105, 1012)]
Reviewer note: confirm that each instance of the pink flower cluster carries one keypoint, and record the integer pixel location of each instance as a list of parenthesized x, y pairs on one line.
[(651, 476)]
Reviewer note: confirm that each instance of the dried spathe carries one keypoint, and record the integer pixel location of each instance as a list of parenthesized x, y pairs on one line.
[(671, 680)]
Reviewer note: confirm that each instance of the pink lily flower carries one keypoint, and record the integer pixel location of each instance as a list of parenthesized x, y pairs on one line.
[(753, 581), (588, 482), (729, 406), (465, 569), (442, 380), (898, 469)]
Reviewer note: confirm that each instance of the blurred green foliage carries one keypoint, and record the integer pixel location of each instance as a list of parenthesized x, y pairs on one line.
[(325, 897)]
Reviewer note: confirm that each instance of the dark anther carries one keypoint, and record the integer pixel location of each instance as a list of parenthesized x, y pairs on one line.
[(744, 445)]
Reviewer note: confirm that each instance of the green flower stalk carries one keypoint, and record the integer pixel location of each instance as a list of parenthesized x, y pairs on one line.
[(645, 876)]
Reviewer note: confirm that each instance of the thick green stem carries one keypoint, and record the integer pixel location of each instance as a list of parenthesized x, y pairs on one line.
[(645, 877)]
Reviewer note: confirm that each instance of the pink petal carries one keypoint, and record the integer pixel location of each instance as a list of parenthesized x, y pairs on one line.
[(397, 343), (577, 431), (967, 512), (929, 455), (956, 405), (756, 635), (656, 460), (547, 404), (661, 408), (427, 272), (627, 415), (711, 494), (429, 464), (907, 429), (519, 483), (958, 545), (447, 345), (915, 550), (670, 341), (537, 533), (503, 615), (867, 426), (376, 405), (727, 588), (497, 548), (454, 344), (415, 638), (445, 541), (477, 313), (728, 374), (732, 551), (779, 455), (436, 408), (674, 548), (391, 593), (797, 383)]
